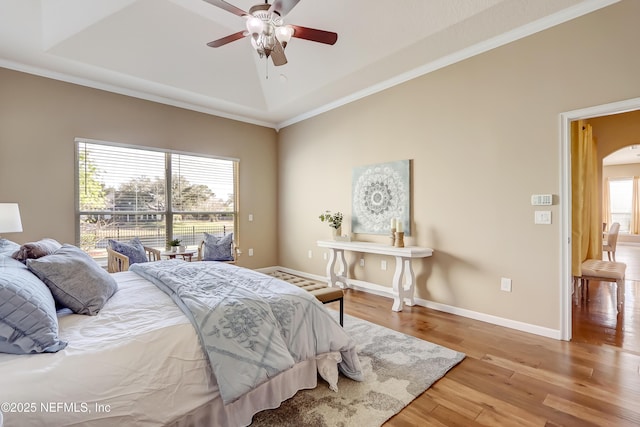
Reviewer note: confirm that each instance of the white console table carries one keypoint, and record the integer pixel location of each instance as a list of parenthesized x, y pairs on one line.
[(403, 278)]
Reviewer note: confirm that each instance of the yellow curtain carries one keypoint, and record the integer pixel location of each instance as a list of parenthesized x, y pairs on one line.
[(606, 204), (586, 233)]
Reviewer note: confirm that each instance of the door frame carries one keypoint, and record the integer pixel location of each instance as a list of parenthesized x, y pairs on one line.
[(566, 279)]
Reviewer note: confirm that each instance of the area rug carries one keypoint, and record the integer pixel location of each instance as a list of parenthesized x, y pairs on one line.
[(397, 369)]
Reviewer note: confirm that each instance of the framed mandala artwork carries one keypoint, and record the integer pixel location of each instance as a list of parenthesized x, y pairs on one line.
[(381, 192)]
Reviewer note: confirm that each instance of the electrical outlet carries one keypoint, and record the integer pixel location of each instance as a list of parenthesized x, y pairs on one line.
[(361, 262), (250, 217), (383, 265), (505, 284), (324, 256), (250, 251), (310, 254)]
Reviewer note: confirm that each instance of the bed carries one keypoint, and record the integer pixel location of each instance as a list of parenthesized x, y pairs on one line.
[(140, 361)]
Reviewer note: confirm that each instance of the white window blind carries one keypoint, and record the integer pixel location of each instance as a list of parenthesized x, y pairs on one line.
[(620, 197), (155, 195)]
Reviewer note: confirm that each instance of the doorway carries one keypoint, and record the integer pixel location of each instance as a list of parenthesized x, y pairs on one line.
[(566, 288)]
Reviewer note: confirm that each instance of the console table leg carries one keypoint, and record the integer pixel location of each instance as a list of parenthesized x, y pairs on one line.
[(342, 275), (331, 275), (410, 283), (337, 256), (398, 286)]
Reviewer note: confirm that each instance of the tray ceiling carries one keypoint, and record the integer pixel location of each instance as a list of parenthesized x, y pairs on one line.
[(156, 49)]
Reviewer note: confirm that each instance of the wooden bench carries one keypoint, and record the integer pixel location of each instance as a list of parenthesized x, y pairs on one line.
[(322, 292), (605, 271), (325, 294)]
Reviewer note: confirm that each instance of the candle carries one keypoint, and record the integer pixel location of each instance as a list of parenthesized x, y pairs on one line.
[(398, 226), (393, 223)]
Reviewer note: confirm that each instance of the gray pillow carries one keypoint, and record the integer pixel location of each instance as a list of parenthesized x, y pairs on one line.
[(134, 249), (7, 247), (217, 248), (28, 322), (75, 280), (33, 250)]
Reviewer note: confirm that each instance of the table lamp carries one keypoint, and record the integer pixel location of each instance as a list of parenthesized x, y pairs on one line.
[(10, 218)]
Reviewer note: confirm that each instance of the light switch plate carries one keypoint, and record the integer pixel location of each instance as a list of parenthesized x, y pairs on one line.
[(542, 217)]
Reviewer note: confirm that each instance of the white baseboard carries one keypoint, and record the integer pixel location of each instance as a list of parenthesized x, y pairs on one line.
[(387, 292)]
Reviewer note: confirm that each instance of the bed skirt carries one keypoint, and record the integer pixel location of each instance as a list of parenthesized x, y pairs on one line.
[(269, 395)]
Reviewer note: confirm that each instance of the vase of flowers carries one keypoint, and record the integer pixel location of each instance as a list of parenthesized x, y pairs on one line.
[(334, 220)]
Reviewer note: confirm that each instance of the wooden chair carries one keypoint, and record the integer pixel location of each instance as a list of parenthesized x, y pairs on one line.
[(117, 262), (234, 253), (609, 246)]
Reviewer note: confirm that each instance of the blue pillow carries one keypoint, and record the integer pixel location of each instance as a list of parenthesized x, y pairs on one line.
[(217, 248), (75, 279), (7, 247), (28, 322), (134, 250)]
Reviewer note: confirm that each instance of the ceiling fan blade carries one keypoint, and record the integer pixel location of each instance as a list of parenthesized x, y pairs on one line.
[(277, 55), (282, 7), (228, 7), (228, 39), (320, 36)]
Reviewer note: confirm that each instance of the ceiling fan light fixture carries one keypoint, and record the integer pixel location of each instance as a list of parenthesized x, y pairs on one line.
[(255, 25), (284, 34), (269, 35), (258, 44)]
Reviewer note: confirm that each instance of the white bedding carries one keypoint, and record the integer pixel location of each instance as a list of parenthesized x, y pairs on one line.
[(138, 362)]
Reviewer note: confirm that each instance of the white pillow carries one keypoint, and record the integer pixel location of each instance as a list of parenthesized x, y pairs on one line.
[(328, 368)]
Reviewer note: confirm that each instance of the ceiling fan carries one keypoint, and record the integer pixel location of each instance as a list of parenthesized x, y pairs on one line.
[(269, 34)]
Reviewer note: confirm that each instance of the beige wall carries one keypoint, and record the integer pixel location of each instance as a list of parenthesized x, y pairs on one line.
[(612, 133), (621, 171), (616, 131), (39, 119), (483, 136)]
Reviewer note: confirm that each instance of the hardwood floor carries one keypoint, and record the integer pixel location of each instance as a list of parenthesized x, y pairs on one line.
[(512, 378)]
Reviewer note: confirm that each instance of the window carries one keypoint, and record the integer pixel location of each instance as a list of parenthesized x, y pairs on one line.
[(620, 202), (156, 195)]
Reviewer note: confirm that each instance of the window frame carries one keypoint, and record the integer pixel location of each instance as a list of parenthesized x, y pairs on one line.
[(169, 211)]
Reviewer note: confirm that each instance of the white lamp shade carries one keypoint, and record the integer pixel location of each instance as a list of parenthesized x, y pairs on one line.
[(255, 25), (283, 34), (10, 218)]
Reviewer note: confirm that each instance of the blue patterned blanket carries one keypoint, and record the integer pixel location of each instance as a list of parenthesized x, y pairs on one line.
[(251, 326)]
